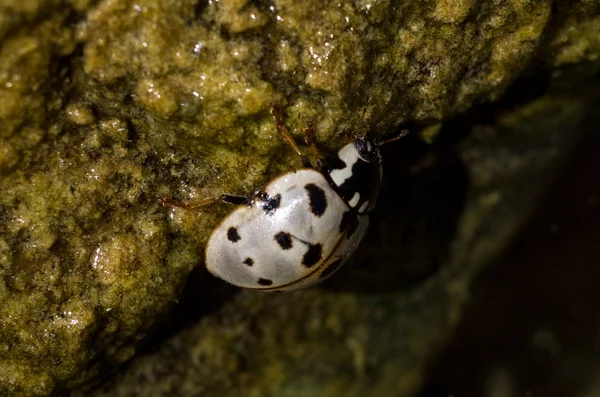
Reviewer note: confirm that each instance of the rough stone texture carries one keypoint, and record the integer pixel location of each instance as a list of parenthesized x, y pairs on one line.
[(107, 105), (372, 330)]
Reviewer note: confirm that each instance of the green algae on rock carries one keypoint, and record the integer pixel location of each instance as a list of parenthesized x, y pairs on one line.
[(106, 106), (368, 332)]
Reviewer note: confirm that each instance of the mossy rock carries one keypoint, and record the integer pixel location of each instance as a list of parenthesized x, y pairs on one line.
[(106, 106)]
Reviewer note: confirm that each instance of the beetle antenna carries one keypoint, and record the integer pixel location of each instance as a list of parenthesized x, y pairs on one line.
[(401, 135)]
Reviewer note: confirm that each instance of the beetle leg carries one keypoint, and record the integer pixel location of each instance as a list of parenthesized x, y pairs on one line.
[(233, 199), (226, 198), (286, 135), (310, 141)]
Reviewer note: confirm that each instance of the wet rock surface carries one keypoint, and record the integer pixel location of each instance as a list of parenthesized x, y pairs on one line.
[(105, 106), (373, 329)]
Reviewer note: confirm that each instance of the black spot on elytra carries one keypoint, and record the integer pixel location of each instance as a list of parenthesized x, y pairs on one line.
[(249, 261), (265, 282), (331, 268), (270, 204), (284, 240), (232, 235), (349, 223), (318, 201), (313, 255)]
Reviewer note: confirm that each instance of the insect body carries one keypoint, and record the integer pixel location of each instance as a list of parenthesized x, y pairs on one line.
[(296, 232), (303, 225)]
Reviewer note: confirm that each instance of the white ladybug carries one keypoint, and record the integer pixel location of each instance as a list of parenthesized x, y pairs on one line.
[(302, 226)]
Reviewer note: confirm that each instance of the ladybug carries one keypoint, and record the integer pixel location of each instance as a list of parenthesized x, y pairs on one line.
[(299, 228)]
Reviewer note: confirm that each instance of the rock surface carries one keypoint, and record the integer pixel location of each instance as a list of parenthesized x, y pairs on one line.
[(444, 213), (106, 106)]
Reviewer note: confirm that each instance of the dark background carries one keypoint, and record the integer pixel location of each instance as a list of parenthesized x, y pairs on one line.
[(532, 327)]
